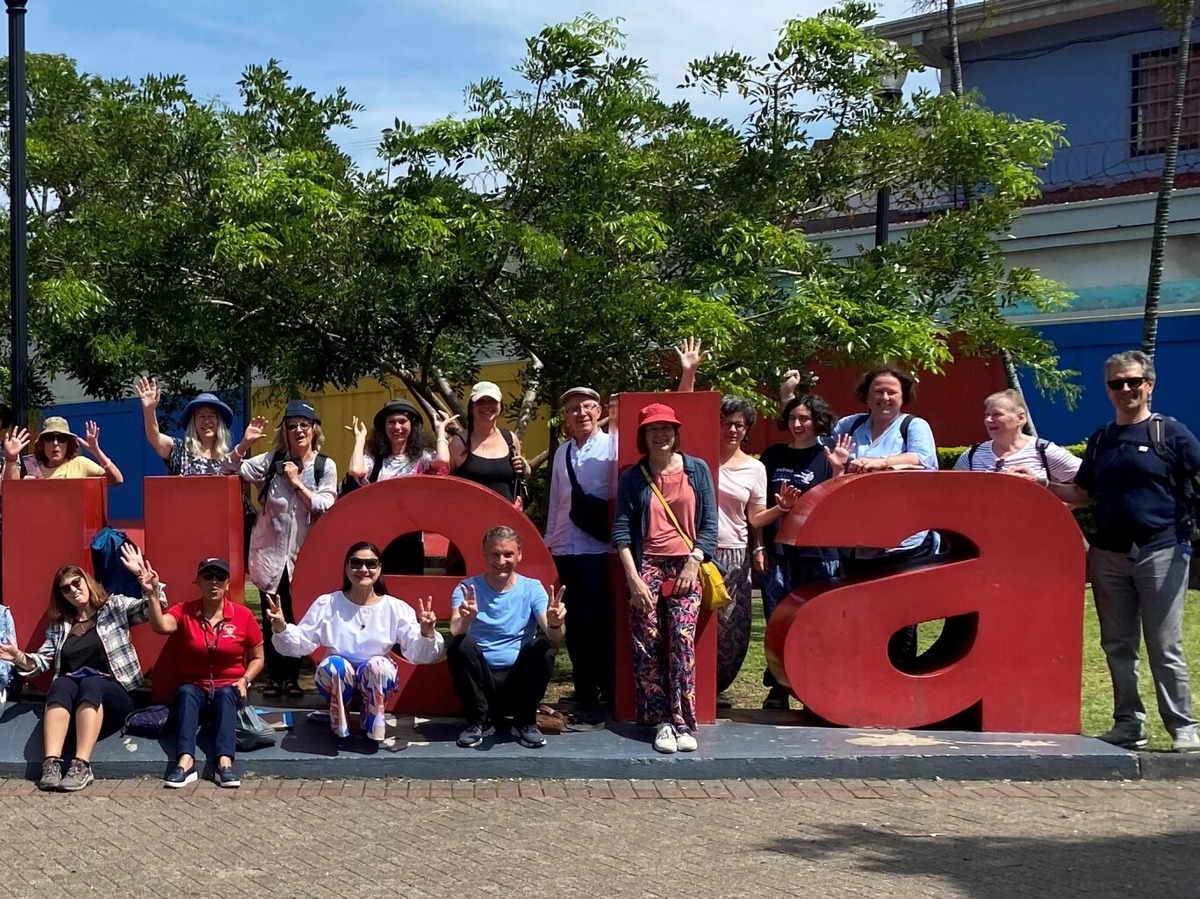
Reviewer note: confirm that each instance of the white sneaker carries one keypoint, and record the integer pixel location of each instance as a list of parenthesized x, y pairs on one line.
[(686, 741), (1186, 741), (664, 740)]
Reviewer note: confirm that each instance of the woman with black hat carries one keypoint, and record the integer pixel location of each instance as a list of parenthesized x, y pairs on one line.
[(296, 485), (399, 448), (206, 421)]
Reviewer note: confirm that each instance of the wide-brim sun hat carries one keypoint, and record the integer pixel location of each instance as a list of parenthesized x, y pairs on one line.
[(301, 409), (206, 399), (657, 413), (396, 407), (486, 389), (56, 424)]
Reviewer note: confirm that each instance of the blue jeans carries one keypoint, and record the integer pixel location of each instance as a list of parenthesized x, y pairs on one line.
[(789, 571), (190, 703)]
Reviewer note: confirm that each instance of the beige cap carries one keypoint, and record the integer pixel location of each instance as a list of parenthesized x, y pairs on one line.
[(486, 389), (579, 391)]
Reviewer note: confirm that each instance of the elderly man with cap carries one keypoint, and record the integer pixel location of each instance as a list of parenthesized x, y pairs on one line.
[(296, 485), (578, 528), (56, 454), (488, 454), (217, 648), (206, 421)]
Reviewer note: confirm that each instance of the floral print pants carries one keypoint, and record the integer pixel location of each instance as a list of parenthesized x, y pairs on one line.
[(375, 680), (733, 621), (664, 649)]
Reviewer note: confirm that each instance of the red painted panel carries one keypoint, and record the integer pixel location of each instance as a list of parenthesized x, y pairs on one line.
[(47, 524), (1017, 654), (188, 519), (700, 414), (460, 510)]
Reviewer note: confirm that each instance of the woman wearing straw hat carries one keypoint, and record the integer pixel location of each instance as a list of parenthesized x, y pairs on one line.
[(207, 437), (56, 455)]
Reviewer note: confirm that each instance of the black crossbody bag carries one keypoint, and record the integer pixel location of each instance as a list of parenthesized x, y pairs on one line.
[(588, 513)]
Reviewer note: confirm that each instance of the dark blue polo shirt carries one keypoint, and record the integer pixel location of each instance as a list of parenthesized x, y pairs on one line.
[(1131, 486)]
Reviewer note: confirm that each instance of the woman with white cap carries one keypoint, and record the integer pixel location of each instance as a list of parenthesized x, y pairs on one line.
[(296, 485), (56, 455), (665, 525), (488, 454), (206, 437)]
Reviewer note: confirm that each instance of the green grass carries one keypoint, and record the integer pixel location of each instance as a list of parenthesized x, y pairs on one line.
[(748, 692)]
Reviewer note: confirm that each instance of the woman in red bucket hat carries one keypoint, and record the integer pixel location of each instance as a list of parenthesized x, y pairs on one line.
[(665, 525)]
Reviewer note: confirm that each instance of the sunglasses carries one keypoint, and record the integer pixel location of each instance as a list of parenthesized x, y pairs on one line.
[(298, 426), (213, 576), (56, 438), (74, 586), (369, 564), (1130, 383)]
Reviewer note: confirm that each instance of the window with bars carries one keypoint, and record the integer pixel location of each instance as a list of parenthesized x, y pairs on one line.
[(1150, 109)]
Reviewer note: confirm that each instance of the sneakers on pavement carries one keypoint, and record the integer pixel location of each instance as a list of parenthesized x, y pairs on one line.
[(1186, 741), (473, 735), (52, 774), (529, 736), (226, 777), (665, 740), (685, 741), (78, 776), (1125, 737), (180, 778)]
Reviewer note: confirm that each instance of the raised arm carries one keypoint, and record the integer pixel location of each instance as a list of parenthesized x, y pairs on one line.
[(417, 636), (14, 444), (150, 395), (253, 470), (690, 359), (357, 466), (92, 442)]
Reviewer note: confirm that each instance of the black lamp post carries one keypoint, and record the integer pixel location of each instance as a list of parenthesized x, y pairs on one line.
[(18, 280), (891, 89)]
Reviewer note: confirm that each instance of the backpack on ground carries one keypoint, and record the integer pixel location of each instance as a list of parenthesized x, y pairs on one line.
[(106, 563)]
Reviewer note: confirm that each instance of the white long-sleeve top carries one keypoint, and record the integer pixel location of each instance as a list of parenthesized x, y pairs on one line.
[(357, 633), (593, 463)]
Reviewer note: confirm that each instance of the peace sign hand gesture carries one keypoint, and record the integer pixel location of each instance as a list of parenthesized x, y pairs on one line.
[(556, 612), (469, 609), (427, 617), (274, 613)]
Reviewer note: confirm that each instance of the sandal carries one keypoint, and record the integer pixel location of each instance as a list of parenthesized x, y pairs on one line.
[(292, 689), (272, 690)]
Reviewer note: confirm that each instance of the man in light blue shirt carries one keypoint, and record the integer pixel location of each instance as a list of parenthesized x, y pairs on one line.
[(499, 664)]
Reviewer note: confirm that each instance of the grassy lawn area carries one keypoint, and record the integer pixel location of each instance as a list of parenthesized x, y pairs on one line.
[(747, 691)]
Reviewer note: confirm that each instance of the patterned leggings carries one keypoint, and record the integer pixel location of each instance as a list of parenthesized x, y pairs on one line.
[(375, 680), (664, 649), (733, 621)]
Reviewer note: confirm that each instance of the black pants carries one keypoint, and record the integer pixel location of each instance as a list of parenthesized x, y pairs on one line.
[(590, 639), (280, 668), (488, 693), (101, 692), (902, 647)]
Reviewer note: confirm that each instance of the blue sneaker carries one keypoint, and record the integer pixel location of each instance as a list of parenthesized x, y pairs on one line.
[(225, 777), (180, 778)]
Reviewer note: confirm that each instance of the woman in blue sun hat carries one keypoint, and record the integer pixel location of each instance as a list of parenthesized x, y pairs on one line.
[(207, 435)]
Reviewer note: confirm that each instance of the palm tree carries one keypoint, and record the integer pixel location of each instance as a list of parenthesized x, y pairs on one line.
[(1176, 14)]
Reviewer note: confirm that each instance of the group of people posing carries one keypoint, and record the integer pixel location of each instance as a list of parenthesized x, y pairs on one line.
[(669, 516)]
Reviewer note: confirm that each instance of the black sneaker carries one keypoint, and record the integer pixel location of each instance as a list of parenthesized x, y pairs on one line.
[(51, 775), (78, 776), (180, 778), (777, 698), (225, 777), (529, 736), (474, 734)]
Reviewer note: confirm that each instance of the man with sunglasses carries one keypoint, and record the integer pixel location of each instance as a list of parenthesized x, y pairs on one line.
[(1134, 470)]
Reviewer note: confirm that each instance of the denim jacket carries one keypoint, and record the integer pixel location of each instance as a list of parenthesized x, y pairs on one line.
[(634, 497)]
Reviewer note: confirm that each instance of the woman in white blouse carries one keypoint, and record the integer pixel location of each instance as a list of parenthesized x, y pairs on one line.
[(357, 627)]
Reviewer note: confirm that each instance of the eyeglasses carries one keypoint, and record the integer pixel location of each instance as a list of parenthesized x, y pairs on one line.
[(1000, 464), (736, 425), (369, 564), (1131, 383), (583, 409), (75, 586), (213, 576), (57, 438), (298, 426)]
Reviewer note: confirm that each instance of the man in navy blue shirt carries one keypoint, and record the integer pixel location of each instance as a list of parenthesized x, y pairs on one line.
[(1139, 558)]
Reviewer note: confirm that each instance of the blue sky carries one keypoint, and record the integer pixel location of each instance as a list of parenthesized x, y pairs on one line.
[(407, 59)]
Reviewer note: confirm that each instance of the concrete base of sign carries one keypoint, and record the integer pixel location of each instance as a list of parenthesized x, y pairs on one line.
[(756, 745)]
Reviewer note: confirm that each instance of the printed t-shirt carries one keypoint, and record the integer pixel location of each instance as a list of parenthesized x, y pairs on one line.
[(212, 657), (804, 469)]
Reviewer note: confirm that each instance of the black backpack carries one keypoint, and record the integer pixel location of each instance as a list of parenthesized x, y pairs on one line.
[(904, 421), (280, 456), (1040, 443), (350, 483), (1188, 484)]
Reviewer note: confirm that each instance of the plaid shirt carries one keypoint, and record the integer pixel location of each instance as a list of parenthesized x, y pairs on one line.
[(113, 620)]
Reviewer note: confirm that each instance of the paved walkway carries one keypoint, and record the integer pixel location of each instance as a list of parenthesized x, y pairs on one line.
[(600, 839)]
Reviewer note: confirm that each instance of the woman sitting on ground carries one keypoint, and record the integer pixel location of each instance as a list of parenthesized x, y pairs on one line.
[(217, 648), (1011, 450), (357, 627), (88, 647)]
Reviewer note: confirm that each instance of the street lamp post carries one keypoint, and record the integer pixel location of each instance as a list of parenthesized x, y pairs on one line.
[(891, 89), (18, 279)]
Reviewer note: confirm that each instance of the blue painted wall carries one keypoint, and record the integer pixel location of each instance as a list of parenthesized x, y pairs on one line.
[(1079, 75), (123, 439), (1083, 346)]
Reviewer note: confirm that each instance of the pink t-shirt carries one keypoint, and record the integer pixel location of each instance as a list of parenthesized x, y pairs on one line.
[(662, 537), (736, 489)]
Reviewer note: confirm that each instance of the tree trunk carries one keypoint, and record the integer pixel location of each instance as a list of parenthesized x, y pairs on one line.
[(1166, 186)]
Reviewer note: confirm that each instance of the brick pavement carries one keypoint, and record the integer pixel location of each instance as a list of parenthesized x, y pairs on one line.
[(599, 839)]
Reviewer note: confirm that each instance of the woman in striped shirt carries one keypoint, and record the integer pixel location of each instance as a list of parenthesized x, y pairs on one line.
[(1013, 451)]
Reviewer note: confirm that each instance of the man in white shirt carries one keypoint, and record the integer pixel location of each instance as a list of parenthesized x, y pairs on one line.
[(578, 524)]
